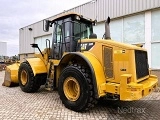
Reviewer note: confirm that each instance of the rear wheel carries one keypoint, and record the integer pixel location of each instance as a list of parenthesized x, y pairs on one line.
[(27, 81), (75, 88)]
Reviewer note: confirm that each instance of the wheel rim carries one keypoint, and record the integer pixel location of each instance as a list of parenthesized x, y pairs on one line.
[(71, 89), (23, 77)]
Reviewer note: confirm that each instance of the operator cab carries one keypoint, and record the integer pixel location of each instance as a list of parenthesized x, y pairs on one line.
[(67, 30)]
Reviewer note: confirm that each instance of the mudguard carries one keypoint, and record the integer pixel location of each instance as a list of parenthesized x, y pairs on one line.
[(96, 68), (37, 65)]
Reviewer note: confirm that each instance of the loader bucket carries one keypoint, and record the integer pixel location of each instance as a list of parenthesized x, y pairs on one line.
[(11, 75)]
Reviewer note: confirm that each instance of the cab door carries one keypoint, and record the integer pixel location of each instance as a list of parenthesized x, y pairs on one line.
[(61, 38)]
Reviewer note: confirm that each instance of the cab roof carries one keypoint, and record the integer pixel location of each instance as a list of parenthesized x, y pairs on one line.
[(70, 14)]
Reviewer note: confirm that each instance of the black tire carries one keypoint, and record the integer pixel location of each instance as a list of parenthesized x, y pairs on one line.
[(31, 84), (82, 75)]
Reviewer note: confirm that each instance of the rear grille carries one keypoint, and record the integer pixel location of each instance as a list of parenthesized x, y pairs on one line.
[(108, 62), (142, 68)]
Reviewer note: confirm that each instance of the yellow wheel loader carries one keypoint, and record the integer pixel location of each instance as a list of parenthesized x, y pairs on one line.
[(84, 68)]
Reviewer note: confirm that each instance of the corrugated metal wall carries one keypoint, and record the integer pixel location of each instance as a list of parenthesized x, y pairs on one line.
[(96, 9), (101, 9), (3, 48)]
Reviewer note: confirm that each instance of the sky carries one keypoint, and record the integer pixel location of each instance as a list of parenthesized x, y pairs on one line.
[(15, 14)]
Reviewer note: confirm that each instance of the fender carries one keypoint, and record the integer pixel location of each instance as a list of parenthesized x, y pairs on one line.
[(37, 65), (96, 68)]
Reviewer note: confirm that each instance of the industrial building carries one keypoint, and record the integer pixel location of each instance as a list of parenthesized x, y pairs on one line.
[(132, 21), (3, 48), (3, 51)]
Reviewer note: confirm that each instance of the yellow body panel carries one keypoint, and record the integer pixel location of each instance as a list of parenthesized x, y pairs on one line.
[(123, 57), (56, 62), (37, 65), (124, 68), (113, 43)]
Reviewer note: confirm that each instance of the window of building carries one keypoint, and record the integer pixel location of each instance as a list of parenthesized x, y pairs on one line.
[(99, 30), (155, 54), (155, 39), (134, 29), (41, 41), (116, 30), (155, 25)]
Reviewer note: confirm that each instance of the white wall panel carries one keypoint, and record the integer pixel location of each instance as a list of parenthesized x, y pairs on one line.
[(99, 29), (116, 30), (148, 35)]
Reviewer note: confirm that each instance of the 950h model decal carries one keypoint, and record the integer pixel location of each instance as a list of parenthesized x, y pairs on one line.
[(86, 46)]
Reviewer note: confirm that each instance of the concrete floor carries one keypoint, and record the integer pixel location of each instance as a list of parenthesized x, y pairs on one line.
[(157, 73), (44, 105)]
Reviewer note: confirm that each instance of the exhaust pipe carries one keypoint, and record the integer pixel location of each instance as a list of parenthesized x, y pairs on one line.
[(107, 29)]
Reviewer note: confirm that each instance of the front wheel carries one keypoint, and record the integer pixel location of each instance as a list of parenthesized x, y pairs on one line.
[(27, 81), (75, 88)]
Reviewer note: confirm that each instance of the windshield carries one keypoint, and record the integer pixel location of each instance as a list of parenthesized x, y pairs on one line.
[(81, 30)]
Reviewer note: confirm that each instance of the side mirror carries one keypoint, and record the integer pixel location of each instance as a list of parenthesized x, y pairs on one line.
[(95, 22), (34, 45), (46, 25)]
